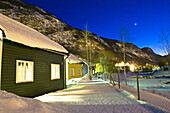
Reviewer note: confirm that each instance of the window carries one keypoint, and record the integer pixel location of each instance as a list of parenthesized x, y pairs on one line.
[(79, 71), (55, 71), (24, 71), (72, 71)]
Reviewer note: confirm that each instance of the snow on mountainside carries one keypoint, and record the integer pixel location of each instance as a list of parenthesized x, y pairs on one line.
[(71, 38), (150, 52)]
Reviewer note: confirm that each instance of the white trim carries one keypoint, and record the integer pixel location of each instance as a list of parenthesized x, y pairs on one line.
[(1, 49), (55, 69), (67, 69)]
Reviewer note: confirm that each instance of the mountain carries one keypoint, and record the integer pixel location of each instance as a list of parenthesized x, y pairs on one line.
[(72, 39), (150, 52)]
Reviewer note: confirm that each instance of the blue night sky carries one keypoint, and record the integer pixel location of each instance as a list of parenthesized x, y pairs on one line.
[(106, 17)]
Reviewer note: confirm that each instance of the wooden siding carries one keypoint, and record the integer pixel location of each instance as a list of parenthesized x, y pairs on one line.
[(85, 69), (76, 66), (42, 70)]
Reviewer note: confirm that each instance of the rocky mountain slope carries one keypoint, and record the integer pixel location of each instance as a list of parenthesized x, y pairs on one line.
[(72, 39), (150, 52)]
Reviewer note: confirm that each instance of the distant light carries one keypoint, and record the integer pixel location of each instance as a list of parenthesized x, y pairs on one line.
[(136, 24), (132, 68), (122, 64), (93, 71)]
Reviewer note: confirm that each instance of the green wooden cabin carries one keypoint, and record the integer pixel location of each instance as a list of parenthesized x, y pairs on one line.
[(30, 63)]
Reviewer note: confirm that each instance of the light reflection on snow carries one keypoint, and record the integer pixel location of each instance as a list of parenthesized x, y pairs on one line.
[(68, 96), (59, 98)]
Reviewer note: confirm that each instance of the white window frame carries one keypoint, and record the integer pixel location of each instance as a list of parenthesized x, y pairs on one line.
[(1, 34), (55, 71), (71, 72), (22, 72), (79, 71)]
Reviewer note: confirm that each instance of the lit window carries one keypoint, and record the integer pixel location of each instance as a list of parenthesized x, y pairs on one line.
[(55, 71), (72, 71), (24, 71), (79, 71)]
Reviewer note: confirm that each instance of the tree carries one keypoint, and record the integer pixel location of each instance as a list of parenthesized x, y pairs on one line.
[(89, 52), (165, 39), (106, 59), (124, 35), (162, 62)]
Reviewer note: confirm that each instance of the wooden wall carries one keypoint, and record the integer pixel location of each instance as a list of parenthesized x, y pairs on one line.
[(42, 70)]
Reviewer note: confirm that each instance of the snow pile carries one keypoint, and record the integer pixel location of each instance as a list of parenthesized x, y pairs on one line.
[(11, 103)]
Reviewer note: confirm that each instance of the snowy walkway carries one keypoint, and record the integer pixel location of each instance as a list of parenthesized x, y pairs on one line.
[(98, 98), (153, 99)]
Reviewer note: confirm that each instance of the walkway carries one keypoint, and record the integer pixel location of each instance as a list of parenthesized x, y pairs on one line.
[(98, 98)]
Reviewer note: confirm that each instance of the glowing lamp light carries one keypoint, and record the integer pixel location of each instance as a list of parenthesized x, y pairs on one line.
[(122, 64), (127, 64), (132, 68)]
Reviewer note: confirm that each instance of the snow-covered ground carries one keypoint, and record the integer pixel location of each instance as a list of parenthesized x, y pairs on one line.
[(11, 103), (163, 73), (149, 84), (85, 80), (85, 96)]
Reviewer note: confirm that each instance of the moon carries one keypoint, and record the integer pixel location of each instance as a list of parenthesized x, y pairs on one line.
[(135, 24)]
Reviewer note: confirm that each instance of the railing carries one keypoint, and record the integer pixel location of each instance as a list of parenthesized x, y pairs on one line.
[(116, 78), (113, 78)]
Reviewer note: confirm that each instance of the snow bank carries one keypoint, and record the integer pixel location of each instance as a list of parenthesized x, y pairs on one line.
[(11, 103)]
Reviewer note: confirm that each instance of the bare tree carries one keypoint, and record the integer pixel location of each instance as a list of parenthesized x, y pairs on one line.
[(165, 39), (89, 48), (124, 35)]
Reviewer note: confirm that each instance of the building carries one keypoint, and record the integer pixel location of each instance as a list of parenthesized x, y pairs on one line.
[(75, 67), (30, 63), (129, 67)]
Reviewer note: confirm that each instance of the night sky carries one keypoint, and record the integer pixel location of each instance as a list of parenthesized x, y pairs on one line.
[(144, 18)]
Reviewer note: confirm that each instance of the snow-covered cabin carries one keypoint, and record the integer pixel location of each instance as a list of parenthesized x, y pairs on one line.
[(30, 63), (75, 67)]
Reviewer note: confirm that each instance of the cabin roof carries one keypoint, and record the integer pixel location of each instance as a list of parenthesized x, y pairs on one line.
[(74, 59), (23, 34)]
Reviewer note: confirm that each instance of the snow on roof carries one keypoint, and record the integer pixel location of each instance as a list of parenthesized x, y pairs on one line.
[(23, 34), (74, 59)]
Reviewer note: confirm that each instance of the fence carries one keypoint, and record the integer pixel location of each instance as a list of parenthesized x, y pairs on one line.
[(113, 78)]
